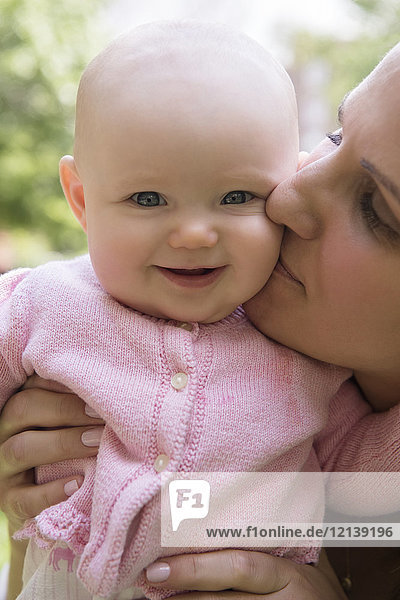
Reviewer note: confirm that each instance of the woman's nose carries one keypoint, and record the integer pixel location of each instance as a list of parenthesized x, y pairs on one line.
[(295, 204), (193, 233)]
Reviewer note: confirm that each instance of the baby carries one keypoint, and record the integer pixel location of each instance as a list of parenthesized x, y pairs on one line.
[(182, 131)]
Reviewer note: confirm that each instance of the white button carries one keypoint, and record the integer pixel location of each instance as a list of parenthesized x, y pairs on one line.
[(179, 381), (187, 326), (161, 463)]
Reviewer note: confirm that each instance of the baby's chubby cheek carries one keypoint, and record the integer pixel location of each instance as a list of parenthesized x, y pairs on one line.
[(261, 263), (255, 305), (272, 244)]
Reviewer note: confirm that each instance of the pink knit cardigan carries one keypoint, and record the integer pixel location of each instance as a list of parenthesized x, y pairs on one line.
[(249, 404)]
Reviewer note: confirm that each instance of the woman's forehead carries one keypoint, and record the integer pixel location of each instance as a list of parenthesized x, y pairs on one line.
[(385, 78), (370, 119), (378, 95)]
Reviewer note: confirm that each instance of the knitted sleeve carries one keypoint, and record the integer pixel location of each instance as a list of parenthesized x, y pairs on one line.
[(28, 314), (359, 441), (14, 331)]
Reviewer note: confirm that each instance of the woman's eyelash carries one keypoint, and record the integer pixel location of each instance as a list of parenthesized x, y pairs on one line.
[(368, 211), (372, 219), (335, 137)]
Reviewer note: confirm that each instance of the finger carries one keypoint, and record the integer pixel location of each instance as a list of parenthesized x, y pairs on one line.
[(35, 407), (35, 381), (225, 595), (291, 592), (27, 501), (33, 448), (247, 571)]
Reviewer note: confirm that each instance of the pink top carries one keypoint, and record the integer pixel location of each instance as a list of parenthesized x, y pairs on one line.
[(248, 404)]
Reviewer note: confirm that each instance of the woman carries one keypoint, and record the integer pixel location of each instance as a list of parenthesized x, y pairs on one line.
[(334, 295)]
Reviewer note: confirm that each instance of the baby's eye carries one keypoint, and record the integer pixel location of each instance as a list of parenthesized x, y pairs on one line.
[(236, 198), (148, 199)]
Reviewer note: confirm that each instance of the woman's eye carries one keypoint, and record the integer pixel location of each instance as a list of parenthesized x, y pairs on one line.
[(237, 198), (148, 199), (379, 222), (335, 137)]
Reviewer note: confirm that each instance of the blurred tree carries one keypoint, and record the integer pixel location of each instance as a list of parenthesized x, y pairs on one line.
[(44, 46), (348, 61)]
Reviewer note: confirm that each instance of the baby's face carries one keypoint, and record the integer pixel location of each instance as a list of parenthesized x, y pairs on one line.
[(175, 185)]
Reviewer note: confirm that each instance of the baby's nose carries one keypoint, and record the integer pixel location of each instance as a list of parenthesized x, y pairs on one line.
[(192, 234)]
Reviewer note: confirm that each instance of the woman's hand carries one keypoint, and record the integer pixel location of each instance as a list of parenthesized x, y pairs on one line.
[(42, 423), (245, 574)]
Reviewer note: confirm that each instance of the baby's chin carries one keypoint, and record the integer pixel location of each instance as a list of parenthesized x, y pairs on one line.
[(188, 315), (193, 317), (181, 311)]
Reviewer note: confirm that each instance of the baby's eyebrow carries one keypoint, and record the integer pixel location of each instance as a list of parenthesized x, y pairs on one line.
[(256, 177)]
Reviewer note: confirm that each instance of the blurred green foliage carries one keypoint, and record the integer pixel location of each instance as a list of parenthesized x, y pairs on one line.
[(44, 45), (349, 61), (4, 543)]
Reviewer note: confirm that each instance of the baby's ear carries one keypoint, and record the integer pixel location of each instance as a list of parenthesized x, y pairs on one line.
[(73, 189)]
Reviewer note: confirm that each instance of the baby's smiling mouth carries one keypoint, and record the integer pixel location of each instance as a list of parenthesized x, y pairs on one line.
[(202, 271), (192, 278)]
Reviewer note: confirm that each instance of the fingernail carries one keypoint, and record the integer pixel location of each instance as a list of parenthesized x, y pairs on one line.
[(158, 572), (71, 487), (92, 437), (91, 412)]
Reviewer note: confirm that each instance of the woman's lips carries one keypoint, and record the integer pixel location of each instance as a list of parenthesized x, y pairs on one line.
[(283, 270), (192, 278)]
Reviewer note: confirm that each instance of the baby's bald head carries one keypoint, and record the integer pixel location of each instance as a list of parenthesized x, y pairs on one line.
[(176, 68)]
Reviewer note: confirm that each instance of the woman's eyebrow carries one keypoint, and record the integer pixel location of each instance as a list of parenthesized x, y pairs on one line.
[(383, 179)]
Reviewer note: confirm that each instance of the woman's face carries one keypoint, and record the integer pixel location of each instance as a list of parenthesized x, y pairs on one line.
[(335, 293)]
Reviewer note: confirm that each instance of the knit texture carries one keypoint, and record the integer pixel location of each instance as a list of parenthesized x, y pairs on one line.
[(249, 405)]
